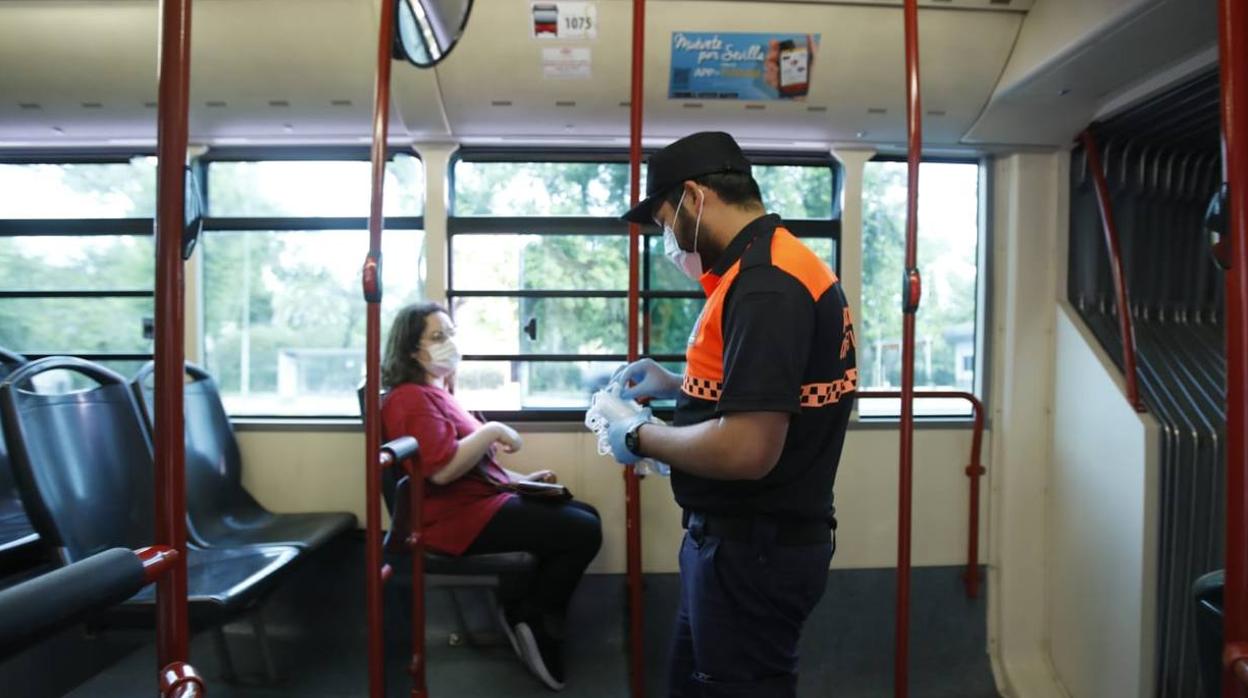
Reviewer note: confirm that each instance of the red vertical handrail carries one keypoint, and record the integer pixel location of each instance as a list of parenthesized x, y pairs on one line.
[(1125, 328), (912, 291), (416, 543), (974, 471), (1233, 43), (172, 633), (632, 485), (371, 281)]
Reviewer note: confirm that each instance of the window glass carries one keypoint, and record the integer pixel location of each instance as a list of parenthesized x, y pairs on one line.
[(88, 263), (518, 385), (945, 338), (512, 262), (284, 317), (75, 325), (541, 188), (312, 188), (552, 331), (796, 191), (79, 190)]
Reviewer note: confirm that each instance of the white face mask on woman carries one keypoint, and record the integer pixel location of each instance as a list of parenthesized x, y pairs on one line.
[(688, 262), (443, 358)]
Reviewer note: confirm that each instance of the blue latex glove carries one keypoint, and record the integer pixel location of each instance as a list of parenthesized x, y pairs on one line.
[(618, 429), (648, 381)]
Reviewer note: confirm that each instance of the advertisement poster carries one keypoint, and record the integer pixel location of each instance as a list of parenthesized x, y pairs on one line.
[(743, 66)]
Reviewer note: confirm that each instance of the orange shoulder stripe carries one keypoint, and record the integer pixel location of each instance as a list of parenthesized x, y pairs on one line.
[(789, 254)]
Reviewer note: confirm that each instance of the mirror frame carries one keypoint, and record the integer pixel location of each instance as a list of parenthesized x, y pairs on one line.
[(404, 9)]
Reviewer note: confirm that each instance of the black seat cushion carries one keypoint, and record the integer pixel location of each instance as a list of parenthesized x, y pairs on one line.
[(219, 579), (262, 527), (492, 563)]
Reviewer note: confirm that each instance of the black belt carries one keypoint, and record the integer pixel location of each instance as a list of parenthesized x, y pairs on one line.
[(758, 528)]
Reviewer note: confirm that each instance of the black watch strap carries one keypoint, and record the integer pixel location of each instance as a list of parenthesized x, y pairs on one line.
[(632, 439)]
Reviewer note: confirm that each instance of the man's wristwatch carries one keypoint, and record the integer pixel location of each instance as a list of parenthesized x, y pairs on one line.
[(632, 439)]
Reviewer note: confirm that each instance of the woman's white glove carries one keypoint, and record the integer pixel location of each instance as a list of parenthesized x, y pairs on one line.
[(646, 379)]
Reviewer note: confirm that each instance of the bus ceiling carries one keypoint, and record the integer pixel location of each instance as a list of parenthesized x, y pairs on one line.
[(998, 75)]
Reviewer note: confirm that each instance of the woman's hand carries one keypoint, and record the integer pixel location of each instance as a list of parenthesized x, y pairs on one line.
[(541, 476), (505, 436)]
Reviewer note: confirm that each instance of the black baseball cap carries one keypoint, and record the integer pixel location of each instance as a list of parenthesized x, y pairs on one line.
[(695, 155)]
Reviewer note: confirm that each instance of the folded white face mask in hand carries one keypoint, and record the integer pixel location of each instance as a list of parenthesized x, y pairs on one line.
[(605, 407)]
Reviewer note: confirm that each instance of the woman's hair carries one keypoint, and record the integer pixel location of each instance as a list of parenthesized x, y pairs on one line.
[(398, 366)]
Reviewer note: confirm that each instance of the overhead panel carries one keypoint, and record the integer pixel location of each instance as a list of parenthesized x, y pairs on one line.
[(502, 80), (265, 71), (1060, 77), (80, 72), (275, 70), (857, 88), (501, 84)]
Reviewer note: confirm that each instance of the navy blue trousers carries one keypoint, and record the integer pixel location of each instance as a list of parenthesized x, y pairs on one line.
[(742, 607)]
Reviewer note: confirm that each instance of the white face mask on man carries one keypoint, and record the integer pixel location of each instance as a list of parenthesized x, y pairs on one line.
[(443, 358), (688, 262)]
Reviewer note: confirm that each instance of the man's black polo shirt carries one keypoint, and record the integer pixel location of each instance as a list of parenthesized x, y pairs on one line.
[(775, 336)]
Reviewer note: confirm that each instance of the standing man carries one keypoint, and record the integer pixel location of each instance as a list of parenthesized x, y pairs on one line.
[(761, 414)]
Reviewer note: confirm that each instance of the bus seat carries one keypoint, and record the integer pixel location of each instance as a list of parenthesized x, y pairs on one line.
[(17, 535), (443, 571), (221, 512), (85, 468), (1208, 597), (451, 572)]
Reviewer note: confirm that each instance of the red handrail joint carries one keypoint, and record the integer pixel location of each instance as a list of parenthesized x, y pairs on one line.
[(180, 680), (157, 560)]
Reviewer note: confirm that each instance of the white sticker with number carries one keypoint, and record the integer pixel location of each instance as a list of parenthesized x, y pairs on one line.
[(565, 20)]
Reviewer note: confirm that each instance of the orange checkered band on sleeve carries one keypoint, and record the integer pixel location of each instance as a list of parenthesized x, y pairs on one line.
[(820, 394), (813, 394), (702, 388)]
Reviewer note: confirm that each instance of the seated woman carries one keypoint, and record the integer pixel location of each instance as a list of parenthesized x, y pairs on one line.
[(469, 506)]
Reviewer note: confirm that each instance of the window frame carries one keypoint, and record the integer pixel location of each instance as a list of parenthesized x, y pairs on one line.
[(78, 227), (267, 224), (830, 228), (983, 306)]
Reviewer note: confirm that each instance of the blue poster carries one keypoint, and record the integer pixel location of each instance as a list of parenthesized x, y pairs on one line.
[(745, 66)]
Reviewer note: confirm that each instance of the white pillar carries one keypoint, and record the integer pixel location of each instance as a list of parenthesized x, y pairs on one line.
[(437, 160), (1026, 227), (852, 158)]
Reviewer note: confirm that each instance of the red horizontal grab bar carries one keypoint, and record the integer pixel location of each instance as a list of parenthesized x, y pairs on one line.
[(1125, 329), (157, 560), (974, 470)]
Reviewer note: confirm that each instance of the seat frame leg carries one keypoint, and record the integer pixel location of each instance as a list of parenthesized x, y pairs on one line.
[(465, 633), (222, 647), (265, 646)]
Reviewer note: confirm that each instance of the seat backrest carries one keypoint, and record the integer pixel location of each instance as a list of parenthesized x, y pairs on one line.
[(14, 524), (214, 462), (389, 476), (81, 460), (10, 362)]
